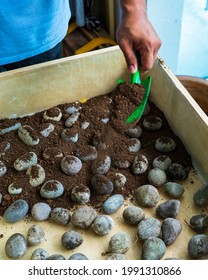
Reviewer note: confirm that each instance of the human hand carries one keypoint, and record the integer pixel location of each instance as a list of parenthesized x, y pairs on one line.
[(135, 33)]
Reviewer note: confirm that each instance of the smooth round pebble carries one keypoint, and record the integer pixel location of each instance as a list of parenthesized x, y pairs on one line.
[(60, 215), (3, 168), (40, 211), (14, 189), (36, 175), (28, 135), (157, 177), (72, 119), (16, 211), (201, 196), (171, 228), (51, 189), (80, 194), (133, 215), (4, 147), (16, 246), (116, 256), (12, 127), (56, 257), (101, 184), (71, 165), (101, 165), (198, 246), (113, 203), (39, 254), (71, 109), (133, 145), (134, 132), (153, 249), (120, 242), (78, 256), (86, 153), (149, 227), (71, 239), (83, 217), (25, 161), (121, 163), (163, 162), (140, 164), (35, 235), (53, 114), (174, 189), (119, 181), (177, 171), (199, 222), (46, 129), (165, 144), (70, 135), (102, 224), (147, 196), (168, 209), (85, 125), (152, 123)]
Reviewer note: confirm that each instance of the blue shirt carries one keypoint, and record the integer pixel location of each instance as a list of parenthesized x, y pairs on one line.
[(28, 28)]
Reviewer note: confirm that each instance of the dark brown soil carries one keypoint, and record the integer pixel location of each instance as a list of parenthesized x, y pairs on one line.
[(116, 106)]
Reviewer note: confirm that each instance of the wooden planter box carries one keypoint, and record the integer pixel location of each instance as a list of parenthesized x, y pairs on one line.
[(36, 88)]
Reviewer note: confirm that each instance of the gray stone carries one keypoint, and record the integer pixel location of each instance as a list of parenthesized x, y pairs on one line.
[(133, 215), (16, 246), (101, 184), (40, 211), (165, 144), (14, 189), (71, 165), (53, 114), (35, 235), (25, 161), (71, 239), (157, 177), (16, 211), (134, 132), (153, 249), (152, 123), (101, 165), (199, 222), (119, 181), (120, 242), (174, 189), (147, 196), (168, 209), (113, 203), (149, 227), (72, 119), (12, 127), (198, 246), (3, 168), (28, 135), (171, 228), (83, 217), (36, 175), (52, 189), (46, 129), (177, 171), (80, 194), (163, 162), (140, 164), (133, 145), (56, 257), (78, 256), (86, 153), (116, 256), (201, 196), (102, 224), (39, 254), (60, 215)]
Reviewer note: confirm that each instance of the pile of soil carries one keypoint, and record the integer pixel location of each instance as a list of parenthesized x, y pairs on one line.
[(106, 116)]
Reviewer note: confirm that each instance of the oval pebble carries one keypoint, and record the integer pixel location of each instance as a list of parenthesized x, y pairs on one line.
[(121, 163), (16, 246), (147, 196), (120, 242), (101, 165), (35, 235), (152, 123), (72, 108), (163, 162), (83, 217), (149, 227), (40, 211), (28, 135), (101, 184), (157, 177), (165, 144), (171, 228), (80, 194), (134, 132), (12, 127), (71, 239), (198, 246), (86, 153), (36, 175), (72, 119), (25, 161), (199, 222), (53, 114), (70, 134), (85, 125), (3, 169), (113, 203), (60, 215), (71, 165), (78, 256), (168, 209), (201, 196), (39, 254), (16, 211), (153, 249), (51, 189), (46, 129), (133, 215), (174, 189), (4, 147), (102, 224), (116, 256), (14, 189), (133, 145), (177, 171), (140, 164), (119, 181), (56, 257)]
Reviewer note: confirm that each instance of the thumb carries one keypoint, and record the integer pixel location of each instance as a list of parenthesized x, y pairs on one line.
[(130, 58)]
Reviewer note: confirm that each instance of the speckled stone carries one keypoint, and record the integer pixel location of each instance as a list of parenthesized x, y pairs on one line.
[(16, 246), (102, 224), (71, 165), (60, 215), (113, 203), (51, 189), (55, 116), (35, 235), (198, 246), (174, 189), (101, 165), (83, 217), (120, 242), (163, 162), (39, 254), (71, 109), (140, 164), (71, 239), (199, 222), (28, 135), (56, 257), (165, 144), (70, 134), (152, 123), (16, 211), (116, 256), (72, 119), (40, 211), (168, 209), (177, 171), (134, 132), (101, 184), (36, 175), (4, 147), (149, 227), (46, 129), (133, 215), (87, 153), (85, 125), (12, 127), (80, 194), (3, 168), (147, 196), (201, 196), (171, 228), (78, 256), (14, 189), (133, 145), (25, 161), (153, 249), (119, 181), (157, 177)]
